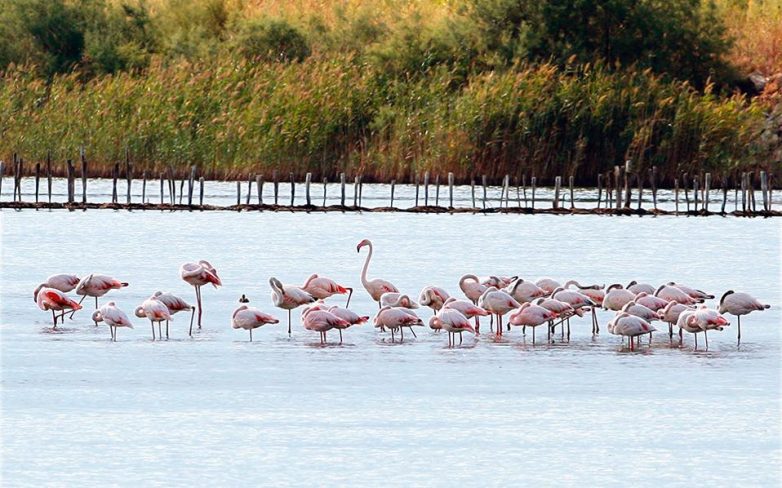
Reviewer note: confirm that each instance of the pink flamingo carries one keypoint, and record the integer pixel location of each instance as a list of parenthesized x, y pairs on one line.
[(578, 301), (156, 311), (671, 293), (288, 297), (56, 301), (524, 291), (697, 295), (175, 304), (701, 319), (375, 287), (548, 285), (61, 282), (562, 309), (641, 311), (650, 301), (629, 326), (739, 304), (396, 299), (637, 288), (433, 297), (452, 321), (197, 275), (323, 321), (616, 297), (113, 316), (498, 303), (670, 313), (97, 285), (321, 288), (472, 287), (249, 318), (395, 318), (529, 315), (468, 309), (348, 316), (596, 293)]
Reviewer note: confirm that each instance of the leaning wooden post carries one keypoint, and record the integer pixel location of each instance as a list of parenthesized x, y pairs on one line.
[(293, 188), (599, 189), (751, 187), (144, 187), (450, 189), (557, 183), (524, 188), (71, 175), (201, 191), (49, 173), (276, 180), (191, 186), (83, 156), (162, 177), (38, 182), (686, 185), (307, 181), (181, 190), (706, 189), (426, 189), (483, 182), (355, 191), (238, 192), (259, 188), (393, 184), (763, 189), (676, 194), (472, 191), (342, 188), (570, 184), (171, 185), (653, 177), (437, 190), (417, 182), (724, 193), (17, 178), (533, 180)]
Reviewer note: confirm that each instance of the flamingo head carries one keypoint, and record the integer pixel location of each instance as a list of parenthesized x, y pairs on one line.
[(434, 323), (82, 284), (244, 299), (37, 290), (96, 316), (139, 312), (363, 243)]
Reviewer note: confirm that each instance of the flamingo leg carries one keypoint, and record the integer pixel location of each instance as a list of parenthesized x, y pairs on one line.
[(74, 311), (524, 330), (413, 332), (706, 336), (96, 307), (738, 317), (192, 315), (289, 323), (392, 335), (477, 325), (340, 336), (460, 338), (533, 336), (548, 330), (251, 335), (491, 323), (54, 320), (350, 294), (153, 329), (632, 344), (401, 334), (568, 329), (200, 308), (696, 341), (670, 330), (650, 338), (166, 329)]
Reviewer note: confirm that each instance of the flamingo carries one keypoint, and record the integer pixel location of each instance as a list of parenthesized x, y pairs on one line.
[(154, 310), (670, 313), (452, 321), (529, 315), (348, 316), (249, 318), (321, 288), (739, 304), (395, 318), (616, 297), (322, 321), (596, 293), (637, 288), (671, 293), (51, 299), (375, 287), (288, 297), (629, 326), (433, 297), (468, 309), (472, 287), (641, 311), (396, 299), (651, 301), (562, 309), (548, 285), (97, 285), (698, 295), (113, 316), (701, 319), (524, 291), (61, 282), (176, 304), (498, 303), (498, 281), (578, 301), (199, 274)]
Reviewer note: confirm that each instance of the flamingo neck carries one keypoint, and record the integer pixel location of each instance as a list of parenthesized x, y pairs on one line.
[(364, 280)]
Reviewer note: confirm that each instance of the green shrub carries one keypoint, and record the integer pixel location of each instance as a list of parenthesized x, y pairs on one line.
[(271, 40)]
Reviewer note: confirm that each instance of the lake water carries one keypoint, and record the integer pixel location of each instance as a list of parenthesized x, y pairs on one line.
[(216, 409)]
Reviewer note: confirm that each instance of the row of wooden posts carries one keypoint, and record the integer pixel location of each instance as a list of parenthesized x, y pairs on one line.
[(617, 186)]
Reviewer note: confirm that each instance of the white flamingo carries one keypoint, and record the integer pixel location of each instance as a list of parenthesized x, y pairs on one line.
[(113, 316), (375, 287), (199, 274), (156, 311), (738, 304), (453, 322), (249, 318), (288, 297)]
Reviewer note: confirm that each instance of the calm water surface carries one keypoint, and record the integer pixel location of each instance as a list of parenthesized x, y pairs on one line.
[(216, 409)]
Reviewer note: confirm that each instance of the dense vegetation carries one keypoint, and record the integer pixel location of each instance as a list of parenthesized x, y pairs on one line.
[(390, 88)]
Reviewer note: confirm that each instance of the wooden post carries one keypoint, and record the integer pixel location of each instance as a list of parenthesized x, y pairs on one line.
[(38, 182), (128, 173), (763, 189), (49, 173), (532, 182), (426, 188), (276, 185), (171, 185), (599, 189), (743, 192), (18, 166), (417, 182), (706, 189), (238, 192), (524, 188), (557, 183), (114, 176), (342, 187), (162, 177), (450, 190), (676, 194), (628, 191), (617, 187), (770, 191), (144, 187), (483, 181), (393, 184), (437, 190), (653, 178), (181, 189), (505, 190), (570, 183), (695, 191), (293, 189), (751, 188), (259, 188), (640, 177), (307, 181), (83, 156), (325, 184), (472, 191), (518, 191), (15, 164), (686, 185), (360, 189), (609, 191), (201, 191), (71, 175), (190, 186), (724, 193), (249, 189), (2, 172), (355, 191)]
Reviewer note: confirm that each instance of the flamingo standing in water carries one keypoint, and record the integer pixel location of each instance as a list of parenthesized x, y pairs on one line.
[(321, 288), (395, 318), (616, 297), (97, 285), (113, 316), (396, 299), (288, 297), (433, 297), (702, 319), (529, 315), (468, 309), (670, 313), (322, 321), (349, 316), (472, 287), (249, 318), (629, 326), (637, 288), (175, 304), (375, 287), (698, 295), (671, 293), (651, 301), (524, 291), (739, 304), (548, 285), (56, 301), (561, 309), (156, 311), (498, 303), (452, 321), (61, 282), (199, 274)]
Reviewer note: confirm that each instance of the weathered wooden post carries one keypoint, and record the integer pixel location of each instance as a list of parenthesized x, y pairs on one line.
[(505, 190), (524, 188), (38, 181), (276, 180), (686, 185), (325, 186), (307, 181), (114, 176), (639, 176), (628, 190), (355, 192), (450, 189), (417, 182), (617, 187), (144, 187), (238, 192), (570, 184), (259, 187), (483, 182), (190, 186), (249, 189), (653, 177), (360, 189), (599, 189), (71, 175), (293, 188), (201, 191), (472, 191), (49, 173), (181, 189), (437, 190), (763, 189), (18, 168), (751, 186), (15, 167), (83, 156), (2, 172), (609, 191), (162, 177), (518, 190), (724, 193), (171, 185), (533, 180), (342, 186), (128, 173), (426, 188), (393, 184), (706, 189), (743, 192), (557, 183), (695, 191), (676, 194)]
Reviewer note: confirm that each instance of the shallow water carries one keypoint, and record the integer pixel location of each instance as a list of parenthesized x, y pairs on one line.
[(80, 410)]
